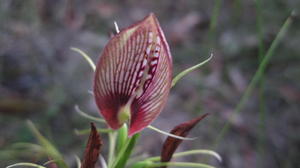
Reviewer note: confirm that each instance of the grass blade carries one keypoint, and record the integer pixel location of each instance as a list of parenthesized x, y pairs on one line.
[(51, 151), (257, 76)]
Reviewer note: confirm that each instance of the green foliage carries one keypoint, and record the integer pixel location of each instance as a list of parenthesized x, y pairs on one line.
[(50, 149), (258, 74)]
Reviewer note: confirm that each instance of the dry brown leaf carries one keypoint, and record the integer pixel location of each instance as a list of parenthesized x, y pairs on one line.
[(171, 143), (92, 149)]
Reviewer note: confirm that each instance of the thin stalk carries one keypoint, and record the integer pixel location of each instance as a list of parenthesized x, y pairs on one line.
[(48, 147), (213, 23), (112, 146), (122, 137), (125, 152), (257, 76), (262, 108), (132, 141)]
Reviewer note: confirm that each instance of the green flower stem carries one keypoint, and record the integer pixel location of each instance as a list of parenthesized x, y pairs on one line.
[(190, 152), (125, 152), (122, 137), (179, 164), (257, 76), (111, 150), (132, 141)]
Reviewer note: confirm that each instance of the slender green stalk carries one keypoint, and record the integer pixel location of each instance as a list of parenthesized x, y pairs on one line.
[(112, 146), (122, 137), (262, 108), (124, 151), (257, 76), (213, 23), (49, 148), (132, 141)]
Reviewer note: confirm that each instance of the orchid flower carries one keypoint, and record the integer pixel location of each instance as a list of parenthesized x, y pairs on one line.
[(134, 76)]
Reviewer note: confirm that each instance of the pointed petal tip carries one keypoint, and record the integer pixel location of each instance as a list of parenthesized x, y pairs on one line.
[(150, 19), (149, 16)]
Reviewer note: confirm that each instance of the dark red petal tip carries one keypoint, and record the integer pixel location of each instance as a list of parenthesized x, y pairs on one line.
[(92, 150), (171, 144)]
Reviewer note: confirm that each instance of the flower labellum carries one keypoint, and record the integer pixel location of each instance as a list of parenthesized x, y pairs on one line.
[(133, 76)]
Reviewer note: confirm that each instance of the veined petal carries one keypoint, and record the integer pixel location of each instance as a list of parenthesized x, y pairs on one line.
[(133, 76)]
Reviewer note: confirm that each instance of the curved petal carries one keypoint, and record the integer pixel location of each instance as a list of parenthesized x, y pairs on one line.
[(134, 71)]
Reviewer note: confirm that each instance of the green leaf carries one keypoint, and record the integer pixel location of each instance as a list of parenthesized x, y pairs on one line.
[(257, 76), (185, 72), (50, 150)]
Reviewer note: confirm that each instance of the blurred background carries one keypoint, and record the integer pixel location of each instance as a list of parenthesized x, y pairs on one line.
[(41, 79)]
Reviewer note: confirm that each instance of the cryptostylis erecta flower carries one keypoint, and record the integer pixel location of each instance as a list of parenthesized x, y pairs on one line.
[(133, 76)]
